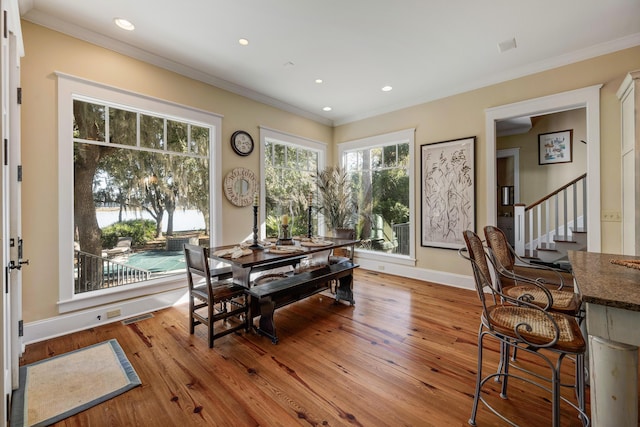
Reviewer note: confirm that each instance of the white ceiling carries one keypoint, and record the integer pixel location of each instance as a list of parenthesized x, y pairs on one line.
[(424, 49)]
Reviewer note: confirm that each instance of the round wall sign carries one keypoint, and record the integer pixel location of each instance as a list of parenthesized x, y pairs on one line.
[(239, 186)]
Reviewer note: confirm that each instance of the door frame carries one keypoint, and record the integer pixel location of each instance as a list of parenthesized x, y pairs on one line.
[(588, 98)]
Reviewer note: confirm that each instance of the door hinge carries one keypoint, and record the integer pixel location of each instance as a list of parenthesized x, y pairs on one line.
[(6, 279), (6, 151), (20, 328), (8, 406), (4, 24), (19, 96), (19, 173)]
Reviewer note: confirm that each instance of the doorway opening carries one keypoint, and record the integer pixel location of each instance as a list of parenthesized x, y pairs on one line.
[(587, 98)]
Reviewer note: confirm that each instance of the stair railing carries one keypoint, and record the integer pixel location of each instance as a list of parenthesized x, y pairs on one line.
[(552, 218)]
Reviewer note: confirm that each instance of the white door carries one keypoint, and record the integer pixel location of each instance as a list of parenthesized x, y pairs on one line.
[(10, 226)]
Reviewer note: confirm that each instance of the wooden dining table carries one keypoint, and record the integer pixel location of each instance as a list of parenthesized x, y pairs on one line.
[(610, 288), (265, 259), (315, 277)]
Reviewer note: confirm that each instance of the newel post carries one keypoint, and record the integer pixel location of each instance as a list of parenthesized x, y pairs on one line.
[(518, 228)]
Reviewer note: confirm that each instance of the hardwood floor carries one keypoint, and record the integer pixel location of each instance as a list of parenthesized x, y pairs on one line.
[(404, 355)]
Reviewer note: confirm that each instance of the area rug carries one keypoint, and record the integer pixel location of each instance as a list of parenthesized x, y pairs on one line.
[(56, 388)]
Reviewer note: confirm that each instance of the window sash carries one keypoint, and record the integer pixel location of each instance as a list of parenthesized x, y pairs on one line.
[(69, 88), (351, 151), (288, 142)]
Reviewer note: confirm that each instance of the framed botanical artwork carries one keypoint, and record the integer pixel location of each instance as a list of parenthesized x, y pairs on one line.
[(447, 192), (555, 147)]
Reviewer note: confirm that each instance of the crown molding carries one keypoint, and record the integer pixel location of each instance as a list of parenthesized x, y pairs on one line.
[(510, 74), (44, 20), (81, 33)]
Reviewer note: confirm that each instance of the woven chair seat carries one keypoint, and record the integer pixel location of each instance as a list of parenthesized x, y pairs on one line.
[(563, 301), (504, 318)]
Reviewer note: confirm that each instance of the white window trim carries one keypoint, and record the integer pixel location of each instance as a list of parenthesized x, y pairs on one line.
[(284, 138), (406, 135), (70, 86)]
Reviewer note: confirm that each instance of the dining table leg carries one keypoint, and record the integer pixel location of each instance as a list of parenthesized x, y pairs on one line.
[(344, 290)]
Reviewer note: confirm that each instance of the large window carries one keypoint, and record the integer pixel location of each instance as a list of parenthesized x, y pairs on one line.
[(381, 174), (139, 188), (290, 165)]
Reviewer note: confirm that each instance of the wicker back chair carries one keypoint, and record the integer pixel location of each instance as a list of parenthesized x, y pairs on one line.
[(516, 278), (518, 324)]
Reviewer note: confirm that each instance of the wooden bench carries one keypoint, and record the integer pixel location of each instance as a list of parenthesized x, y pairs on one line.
[(267, 297)]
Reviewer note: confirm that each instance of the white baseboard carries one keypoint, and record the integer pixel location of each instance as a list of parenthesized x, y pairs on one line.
[(434, 276), (80, 320)]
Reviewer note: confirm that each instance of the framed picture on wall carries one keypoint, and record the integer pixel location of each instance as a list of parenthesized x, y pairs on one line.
[(447, 192), (555, 147)]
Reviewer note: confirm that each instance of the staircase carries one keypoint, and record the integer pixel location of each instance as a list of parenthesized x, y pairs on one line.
[(547, 229)]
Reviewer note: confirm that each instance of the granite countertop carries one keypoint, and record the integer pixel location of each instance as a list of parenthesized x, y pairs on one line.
[(601, 282)]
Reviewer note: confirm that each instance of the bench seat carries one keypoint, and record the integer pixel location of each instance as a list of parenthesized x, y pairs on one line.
[(267, 297)]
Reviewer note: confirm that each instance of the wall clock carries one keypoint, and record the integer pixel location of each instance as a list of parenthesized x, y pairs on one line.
[(242, 143), (239, 186)]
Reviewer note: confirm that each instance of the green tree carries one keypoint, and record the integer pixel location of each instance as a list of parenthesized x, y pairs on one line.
[(89, 120), (391, 195)]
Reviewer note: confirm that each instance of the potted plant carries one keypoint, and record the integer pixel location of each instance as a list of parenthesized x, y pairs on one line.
[(336, 198)]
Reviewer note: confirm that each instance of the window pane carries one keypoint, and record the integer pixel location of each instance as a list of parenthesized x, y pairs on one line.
[(403, 154), (177, 136), (376, 158), (353, 161), (199, 140), (151, 132), (303, 159), (122, 127), (292, 157), (88, 121), (278, 158), (268, 154), (389, 154), (313, 161)]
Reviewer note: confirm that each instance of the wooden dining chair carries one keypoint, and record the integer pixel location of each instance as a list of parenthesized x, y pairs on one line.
[(343, 254), (519, 324), (222, 299)]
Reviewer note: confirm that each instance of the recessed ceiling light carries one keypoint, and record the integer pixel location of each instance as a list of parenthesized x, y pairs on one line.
[(318, 81), (243, 42), (327, 109), (124, 24), (386, 88)]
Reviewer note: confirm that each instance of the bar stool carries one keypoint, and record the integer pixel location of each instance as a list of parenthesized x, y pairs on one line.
[(527, 327)]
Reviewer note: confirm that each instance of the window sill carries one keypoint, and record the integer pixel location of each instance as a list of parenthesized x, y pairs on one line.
[(108, 296)]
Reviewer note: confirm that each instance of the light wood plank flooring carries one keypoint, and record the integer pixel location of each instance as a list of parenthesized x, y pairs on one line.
[(404, 355)]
